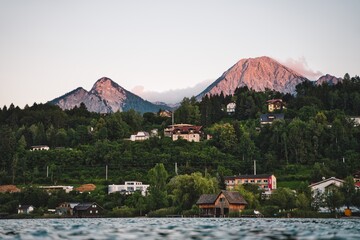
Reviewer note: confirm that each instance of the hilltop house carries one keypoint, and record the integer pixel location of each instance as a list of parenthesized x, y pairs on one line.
[(220, 204), (140, 136), (87, 210), (268, 118), (129, 188), (25, 209), (266, 182), (275, 104), (39, 148), (230, 108), (165, 113), (187, 132)]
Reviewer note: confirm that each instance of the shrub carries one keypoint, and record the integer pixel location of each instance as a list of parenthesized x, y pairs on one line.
[(163, 212)]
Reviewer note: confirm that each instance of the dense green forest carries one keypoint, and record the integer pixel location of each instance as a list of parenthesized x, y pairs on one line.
[(317, 138)]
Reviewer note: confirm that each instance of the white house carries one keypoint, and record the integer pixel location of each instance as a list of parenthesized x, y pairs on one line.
[(49, 189), (326, 184), (128, 188), (140, 136), (187, 132), (39, 148), (25, 209), (230, 108)]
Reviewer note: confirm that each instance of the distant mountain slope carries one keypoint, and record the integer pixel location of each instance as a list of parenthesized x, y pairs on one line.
[(106, 96), (331, 80), (255, 73)]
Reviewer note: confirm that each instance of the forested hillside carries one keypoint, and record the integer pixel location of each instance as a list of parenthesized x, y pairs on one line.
[(317, 138), (317, 132)]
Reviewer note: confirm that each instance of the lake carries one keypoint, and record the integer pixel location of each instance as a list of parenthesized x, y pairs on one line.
[(180, 228)]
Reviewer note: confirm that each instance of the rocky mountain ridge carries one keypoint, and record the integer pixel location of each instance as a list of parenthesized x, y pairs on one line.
[(258, 74), (106, 96)]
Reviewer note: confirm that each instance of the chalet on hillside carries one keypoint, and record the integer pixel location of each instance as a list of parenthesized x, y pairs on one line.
[(218, 205), (275, 104), (230, 108), (187, 132), (140, 136), (165, 113)]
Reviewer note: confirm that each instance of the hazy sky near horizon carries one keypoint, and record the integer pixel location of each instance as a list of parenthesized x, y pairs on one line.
[(165, 50)]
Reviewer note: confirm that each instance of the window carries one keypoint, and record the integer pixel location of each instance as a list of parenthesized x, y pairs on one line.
[(265, 180), (222, 199), (252, 180), (96, 211), (90, 211), (258, 181), (246, 181)]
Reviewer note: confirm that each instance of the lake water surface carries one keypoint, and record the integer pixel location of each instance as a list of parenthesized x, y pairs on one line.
[(180, 228)]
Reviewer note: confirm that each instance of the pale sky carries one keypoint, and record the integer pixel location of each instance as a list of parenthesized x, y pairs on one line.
[(164, 50)]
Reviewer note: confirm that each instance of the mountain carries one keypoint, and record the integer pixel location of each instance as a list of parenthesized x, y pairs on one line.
[(329, 79), (256, 73), (106, 96)]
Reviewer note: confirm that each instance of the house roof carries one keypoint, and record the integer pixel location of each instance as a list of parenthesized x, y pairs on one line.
[(274, 100), (85, 206), (248, 176), (207, 199), (269, 117), (326, 180), (232, 197), (187, 129), (24, 206)]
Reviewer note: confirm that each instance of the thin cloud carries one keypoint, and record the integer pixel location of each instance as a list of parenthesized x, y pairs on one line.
[(171, 96), (300, 66)]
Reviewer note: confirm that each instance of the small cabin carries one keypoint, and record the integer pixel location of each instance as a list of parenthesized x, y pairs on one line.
[(220, 205), (87, 210)]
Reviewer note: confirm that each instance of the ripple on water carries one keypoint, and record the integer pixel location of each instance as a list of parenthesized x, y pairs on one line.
[(180, 228)]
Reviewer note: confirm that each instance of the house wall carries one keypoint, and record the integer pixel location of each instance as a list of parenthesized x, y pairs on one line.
[(129, 188), (191, 137), (92, 211), (266, 183)]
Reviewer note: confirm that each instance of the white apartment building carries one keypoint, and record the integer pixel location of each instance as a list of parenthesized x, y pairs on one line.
[(129, 187)]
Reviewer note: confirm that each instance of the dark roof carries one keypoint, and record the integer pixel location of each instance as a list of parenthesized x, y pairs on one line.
[(247, 176), (269, 117), (234, 197), (24, 206), (85, 206), (207, 199), (187, 129), (274, 100)]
